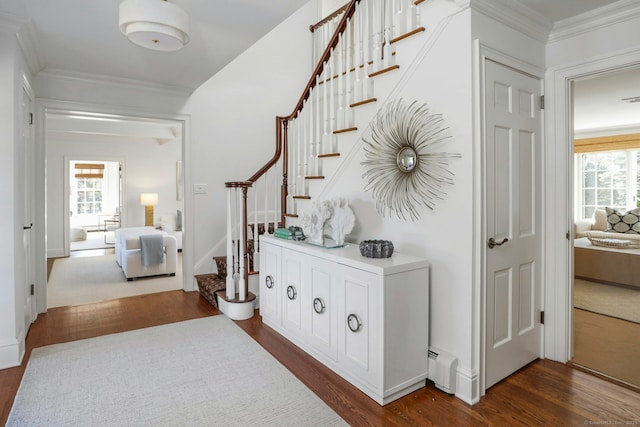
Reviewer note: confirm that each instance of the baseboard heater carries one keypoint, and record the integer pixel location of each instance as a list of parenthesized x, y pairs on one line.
[(442, 370)]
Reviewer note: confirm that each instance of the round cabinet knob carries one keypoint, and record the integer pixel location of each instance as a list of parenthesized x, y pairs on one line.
[(269, 282), (291, 292), (354, 323), (318, 305)]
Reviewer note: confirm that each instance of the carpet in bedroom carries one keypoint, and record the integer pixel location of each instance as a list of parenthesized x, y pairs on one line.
[(614, 301), (203, 372), (82, 280)]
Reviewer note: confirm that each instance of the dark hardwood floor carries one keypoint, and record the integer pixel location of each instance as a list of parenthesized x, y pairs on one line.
[(542, 393)]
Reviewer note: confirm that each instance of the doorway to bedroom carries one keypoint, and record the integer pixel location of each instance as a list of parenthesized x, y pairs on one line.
[(98, 165), (606, 206)]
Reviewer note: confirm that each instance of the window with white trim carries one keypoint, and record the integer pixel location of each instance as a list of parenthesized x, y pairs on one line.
[(606, 179)]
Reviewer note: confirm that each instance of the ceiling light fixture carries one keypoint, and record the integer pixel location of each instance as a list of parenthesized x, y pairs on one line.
[(154, 24)]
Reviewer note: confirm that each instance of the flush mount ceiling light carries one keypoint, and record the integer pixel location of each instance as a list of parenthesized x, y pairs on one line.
[(154, 24)]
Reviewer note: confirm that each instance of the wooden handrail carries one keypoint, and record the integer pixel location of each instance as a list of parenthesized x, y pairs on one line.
[(282, 138), (283, 120), (349, 11), (333, 14)]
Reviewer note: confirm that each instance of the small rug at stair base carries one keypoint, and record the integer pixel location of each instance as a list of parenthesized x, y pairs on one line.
[(614, 301), (203, 372), (82, 280)]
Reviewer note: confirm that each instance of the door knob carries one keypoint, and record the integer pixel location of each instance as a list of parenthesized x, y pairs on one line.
[(492, 242)]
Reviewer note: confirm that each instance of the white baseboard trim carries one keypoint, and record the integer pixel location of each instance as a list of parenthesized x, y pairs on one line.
[(56, 253), (467, 386), (11, 354)]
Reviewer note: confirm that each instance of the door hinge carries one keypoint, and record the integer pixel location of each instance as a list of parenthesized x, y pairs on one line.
[(568, 235), (542, 317), (30, 118), (32, 289), (542, 102)]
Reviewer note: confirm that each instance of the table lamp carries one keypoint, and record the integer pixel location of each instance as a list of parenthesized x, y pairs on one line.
[(148, 200)]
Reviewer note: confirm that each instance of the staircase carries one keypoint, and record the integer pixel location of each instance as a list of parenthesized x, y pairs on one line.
[(354, 47)]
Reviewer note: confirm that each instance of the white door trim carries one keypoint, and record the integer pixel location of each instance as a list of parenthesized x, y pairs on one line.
[(44, 105), (482, 53), (558, 175)]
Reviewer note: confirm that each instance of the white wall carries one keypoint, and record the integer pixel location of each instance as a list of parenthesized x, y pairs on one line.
[(445, 236), (148, 167), (233, 121)]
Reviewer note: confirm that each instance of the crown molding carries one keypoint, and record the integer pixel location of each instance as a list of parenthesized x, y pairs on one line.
[(28, 43), (139, 85), (607, 131), (516, 16), (614, 13), (10, 23)]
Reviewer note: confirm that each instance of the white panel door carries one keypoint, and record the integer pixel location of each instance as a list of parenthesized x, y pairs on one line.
[(513, 213), (28, 236)]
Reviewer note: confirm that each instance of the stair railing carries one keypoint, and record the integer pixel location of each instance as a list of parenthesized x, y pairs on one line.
[(362, 39)]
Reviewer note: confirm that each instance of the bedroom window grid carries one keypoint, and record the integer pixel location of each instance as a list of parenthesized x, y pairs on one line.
[(606, 179), (89, 195)]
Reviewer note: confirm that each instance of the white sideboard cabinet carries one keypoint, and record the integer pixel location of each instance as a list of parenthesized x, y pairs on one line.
[(365, 319)]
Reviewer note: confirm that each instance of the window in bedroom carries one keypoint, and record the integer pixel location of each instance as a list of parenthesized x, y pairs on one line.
[(606, 179), (87, 186)]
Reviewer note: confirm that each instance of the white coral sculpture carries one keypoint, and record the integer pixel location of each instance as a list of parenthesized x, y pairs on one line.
[(342, 220)]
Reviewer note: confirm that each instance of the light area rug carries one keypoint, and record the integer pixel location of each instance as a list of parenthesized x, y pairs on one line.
[(95, 240), (203, 372), (83, 280), (614, 301)]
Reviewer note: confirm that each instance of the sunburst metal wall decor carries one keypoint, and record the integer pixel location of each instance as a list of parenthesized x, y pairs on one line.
[(403, 166)]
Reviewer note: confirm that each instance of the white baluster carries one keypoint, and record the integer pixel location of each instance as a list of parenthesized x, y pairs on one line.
[(230, 283), (332, 120), (341, 98), (256, 231), (401, 17), (414, 17), (357, 46), (325, 110), (266, 203), (241, 236), (276, 197), (316, 128)]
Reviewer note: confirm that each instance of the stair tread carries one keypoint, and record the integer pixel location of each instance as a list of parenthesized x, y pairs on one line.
[(363, 102), (323, 156), (384, 70), (409, 34), (352, 129)]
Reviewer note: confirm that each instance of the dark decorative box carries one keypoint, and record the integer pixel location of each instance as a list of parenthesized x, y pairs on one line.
[(376, 248)]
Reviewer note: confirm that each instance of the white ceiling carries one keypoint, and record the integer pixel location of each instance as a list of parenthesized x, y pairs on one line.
[(602, 106), (81, 37)]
